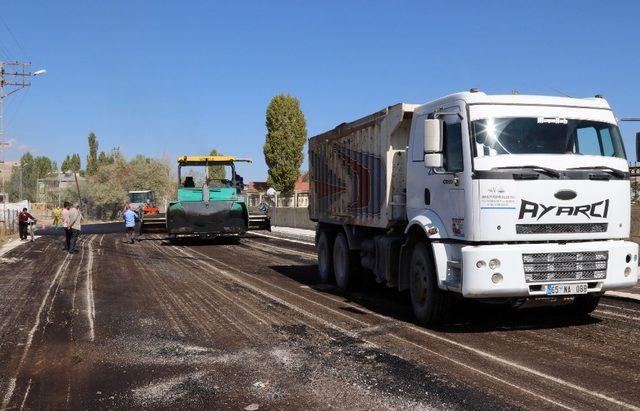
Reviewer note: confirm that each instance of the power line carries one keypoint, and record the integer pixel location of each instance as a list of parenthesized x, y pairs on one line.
[(4, 51), (13, 76), (14, 38)]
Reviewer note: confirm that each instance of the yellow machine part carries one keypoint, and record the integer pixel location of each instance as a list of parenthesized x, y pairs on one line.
[(209, 160)]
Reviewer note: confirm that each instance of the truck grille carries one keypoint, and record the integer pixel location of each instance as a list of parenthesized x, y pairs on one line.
[(561, 228), (588, 265)]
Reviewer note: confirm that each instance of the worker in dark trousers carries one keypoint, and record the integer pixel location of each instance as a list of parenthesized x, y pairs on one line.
[(23, 223), (65, 225), (75, 226)]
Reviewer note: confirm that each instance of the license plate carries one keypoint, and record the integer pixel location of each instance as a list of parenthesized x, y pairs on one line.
[(566, 289)]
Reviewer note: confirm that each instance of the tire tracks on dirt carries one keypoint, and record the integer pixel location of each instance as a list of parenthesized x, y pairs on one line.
[(508, 366)]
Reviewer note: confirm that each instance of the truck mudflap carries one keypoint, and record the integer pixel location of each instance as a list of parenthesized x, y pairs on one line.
[(212, 218)]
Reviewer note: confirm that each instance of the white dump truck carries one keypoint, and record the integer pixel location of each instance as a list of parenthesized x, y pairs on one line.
[(495, 197)]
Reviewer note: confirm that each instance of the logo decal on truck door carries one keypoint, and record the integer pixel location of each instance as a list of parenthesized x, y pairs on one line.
[(539, 210), (497, 197)]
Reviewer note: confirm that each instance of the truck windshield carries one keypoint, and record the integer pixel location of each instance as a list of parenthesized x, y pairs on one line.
[(537, 135)]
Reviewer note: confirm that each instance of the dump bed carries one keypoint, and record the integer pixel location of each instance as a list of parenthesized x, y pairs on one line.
[(358, 170)]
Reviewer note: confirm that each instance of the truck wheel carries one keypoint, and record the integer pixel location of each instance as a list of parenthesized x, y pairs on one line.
[(325, 257), (584, 304), (342, 262), (430, 304)]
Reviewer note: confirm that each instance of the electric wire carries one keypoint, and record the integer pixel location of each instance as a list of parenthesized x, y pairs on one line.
[(14, 38)]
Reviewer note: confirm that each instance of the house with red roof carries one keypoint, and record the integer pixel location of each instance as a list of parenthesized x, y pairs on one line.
[(256, 192)]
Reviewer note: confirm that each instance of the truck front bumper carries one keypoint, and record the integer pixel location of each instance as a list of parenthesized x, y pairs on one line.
[(547, 264)]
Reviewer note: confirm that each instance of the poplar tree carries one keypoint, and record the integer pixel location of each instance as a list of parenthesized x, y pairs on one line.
[(284, 143), (216, 172), (92, 157)]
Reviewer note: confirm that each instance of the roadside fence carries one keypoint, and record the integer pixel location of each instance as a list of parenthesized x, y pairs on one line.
[(9, 217), (9, 221)]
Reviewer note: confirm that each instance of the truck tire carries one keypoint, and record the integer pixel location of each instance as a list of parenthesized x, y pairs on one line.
[(430, 304), (584, 304), (343, 263), (325, 257)]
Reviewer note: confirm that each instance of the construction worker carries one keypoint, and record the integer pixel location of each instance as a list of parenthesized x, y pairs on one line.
[(75, 225), (130, 218), (57, 212), (65, 224), (23, 223)]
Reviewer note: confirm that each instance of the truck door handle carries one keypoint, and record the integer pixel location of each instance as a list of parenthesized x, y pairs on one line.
[(427, 196)]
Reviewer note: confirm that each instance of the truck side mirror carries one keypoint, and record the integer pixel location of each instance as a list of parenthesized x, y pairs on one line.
[(433, 160), (433, 136), (637, 147), (433, 143)]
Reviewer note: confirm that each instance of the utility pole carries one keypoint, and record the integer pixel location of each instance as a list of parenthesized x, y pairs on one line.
[(13, 76)]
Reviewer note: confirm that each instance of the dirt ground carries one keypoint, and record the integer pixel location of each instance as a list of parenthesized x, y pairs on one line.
[(219, 325)]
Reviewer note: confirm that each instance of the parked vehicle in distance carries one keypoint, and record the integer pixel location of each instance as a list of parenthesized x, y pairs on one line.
[(143, 202), (491, 197), (138, 198)]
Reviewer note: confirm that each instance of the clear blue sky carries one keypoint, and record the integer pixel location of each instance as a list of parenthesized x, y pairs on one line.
[(158, 77)]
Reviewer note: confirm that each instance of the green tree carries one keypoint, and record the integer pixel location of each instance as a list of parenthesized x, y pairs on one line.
[(286, 136), (92, 157), (106, 191), (72, 163), (26, 174), (216, 172), (65, 167)]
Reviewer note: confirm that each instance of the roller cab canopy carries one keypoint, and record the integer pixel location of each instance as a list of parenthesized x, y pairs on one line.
[(210, 160)]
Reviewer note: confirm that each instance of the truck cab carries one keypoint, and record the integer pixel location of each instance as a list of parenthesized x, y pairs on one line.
[(523, 195)]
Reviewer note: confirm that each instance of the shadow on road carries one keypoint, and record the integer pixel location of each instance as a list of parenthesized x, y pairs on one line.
[(468, 316)]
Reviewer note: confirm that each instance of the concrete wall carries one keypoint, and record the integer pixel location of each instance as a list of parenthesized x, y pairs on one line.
[(296, 217), (635, 223)]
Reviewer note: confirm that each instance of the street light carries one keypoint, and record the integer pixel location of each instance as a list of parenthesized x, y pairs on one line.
[(38, 72)]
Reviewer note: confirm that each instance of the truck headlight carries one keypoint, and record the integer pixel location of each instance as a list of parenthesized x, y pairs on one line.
[(496, 278), (627, 271), (481, 264), (494, 263)]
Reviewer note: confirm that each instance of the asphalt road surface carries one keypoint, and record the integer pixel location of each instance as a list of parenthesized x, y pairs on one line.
[(223, 326)]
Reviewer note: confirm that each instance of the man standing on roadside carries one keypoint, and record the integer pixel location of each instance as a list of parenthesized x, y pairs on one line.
[(65, 225), (129, 223), (75, 225), (23, 223)]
